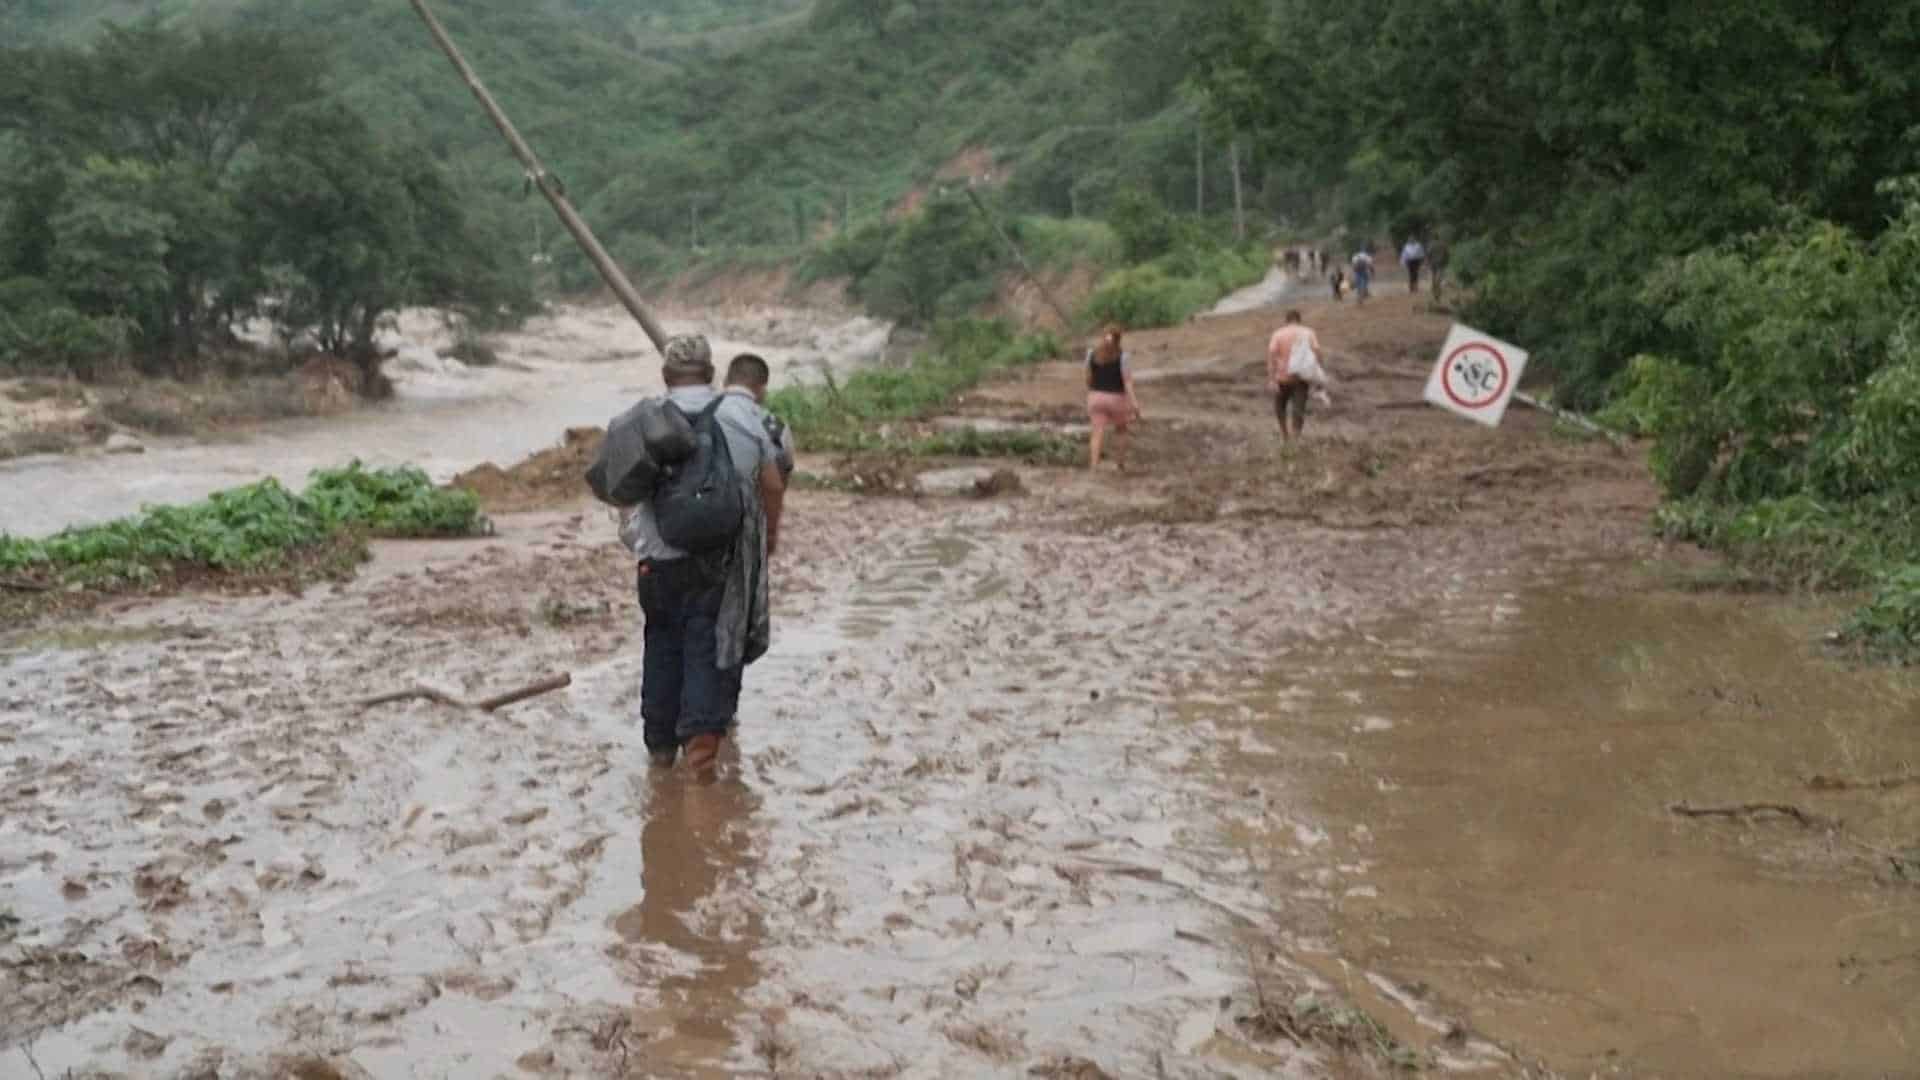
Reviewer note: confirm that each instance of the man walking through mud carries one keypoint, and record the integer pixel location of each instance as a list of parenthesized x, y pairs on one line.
[(1290, 391), (706, 613)]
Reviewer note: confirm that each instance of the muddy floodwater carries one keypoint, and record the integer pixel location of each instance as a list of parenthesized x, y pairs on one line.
[(1499, 786), (1392, 749), (575, 366)]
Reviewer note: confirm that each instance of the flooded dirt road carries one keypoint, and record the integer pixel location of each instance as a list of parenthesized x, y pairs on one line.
[(573, 367), (1514, 762), (1250, 762)]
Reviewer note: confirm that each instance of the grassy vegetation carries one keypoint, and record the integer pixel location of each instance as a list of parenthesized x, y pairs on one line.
[(1787, 430), (1800, 541), (1178, 267), (1031, 447), (258, 527), (1062, 244), (840, 415), (1174, 288)]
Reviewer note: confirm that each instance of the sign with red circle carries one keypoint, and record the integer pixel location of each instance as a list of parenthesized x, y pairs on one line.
[(1475, 376)]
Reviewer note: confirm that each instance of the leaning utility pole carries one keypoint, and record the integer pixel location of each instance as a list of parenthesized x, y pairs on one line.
[(1066, 321), (1239, 202), (1199, 173), (556, 195)]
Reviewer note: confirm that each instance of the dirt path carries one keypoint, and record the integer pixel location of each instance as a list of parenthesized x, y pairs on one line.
[(1096, 781)]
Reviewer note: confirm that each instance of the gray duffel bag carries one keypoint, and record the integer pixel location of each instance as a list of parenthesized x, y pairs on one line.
[(639, 441)]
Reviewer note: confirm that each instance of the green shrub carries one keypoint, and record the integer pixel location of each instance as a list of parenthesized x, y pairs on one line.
[(399, 502), (1889, 624), (1175, 287), (41, 331), (1143, 225), (1880, 449), (1061, 244), (963, 351)]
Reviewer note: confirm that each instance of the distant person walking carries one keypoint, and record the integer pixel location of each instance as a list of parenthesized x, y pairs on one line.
[(1437, 264), (1290, 391), (1362, 274), (1110, 399), (1412, 256), (1337, 281)]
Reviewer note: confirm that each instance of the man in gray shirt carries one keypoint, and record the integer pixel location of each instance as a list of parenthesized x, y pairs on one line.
[(706, 614), (748, 375)]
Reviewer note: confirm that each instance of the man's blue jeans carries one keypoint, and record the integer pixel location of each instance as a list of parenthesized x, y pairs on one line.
[(682, 692)]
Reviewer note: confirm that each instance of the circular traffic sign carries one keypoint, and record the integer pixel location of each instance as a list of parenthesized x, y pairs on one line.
[(1474, 375)]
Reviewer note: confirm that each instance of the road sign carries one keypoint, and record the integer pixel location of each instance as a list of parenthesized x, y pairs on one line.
[(1476, 375)]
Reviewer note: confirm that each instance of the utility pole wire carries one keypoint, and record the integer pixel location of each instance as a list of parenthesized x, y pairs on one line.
[(537, 174)]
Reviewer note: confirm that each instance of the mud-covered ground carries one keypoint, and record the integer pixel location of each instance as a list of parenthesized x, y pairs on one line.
[(1186, 771)]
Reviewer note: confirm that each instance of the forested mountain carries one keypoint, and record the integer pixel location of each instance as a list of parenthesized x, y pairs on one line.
[(750, 123)]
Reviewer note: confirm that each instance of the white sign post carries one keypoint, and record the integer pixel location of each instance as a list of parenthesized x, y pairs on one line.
[(1476, 375)]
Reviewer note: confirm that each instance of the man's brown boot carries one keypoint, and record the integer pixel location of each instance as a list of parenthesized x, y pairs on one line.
[(700, 751)]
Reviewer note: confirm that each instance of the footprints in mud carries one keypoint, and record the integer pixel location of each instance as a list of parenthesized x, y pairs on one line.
[(901, 584)]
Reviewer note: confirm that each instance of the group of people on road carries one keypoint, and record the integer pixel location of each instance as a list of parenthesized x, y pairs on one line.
[(706, 611), (1415, 256)]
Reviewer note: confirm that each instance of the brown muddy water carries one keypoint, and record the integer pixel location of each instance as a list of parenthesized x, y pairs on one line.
[(1497, 847), (1007, 796), (575, 366)]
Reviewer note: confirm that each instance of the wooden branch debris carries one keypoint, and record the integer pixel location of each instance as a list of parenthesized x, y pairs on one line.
[(491, 704), (1753, 810), (1819, 782), (24, 586)]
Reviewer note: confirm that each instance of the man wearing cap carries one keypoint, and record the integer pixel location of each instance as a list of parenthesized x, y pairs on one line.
[(706, 615)]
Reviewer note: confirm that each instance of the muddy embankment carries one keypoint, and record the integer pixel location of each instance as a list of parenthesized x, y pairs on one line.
[(1247, 762)]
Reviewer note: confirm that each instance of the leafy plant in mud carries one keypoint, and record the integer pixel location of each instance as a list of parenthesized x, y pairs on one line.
[(249, 528), (398, 502), (1888, 625)]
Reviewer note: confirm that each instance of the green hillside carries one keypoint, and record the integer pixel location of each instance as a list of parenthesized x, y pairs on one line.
[(756, 123)]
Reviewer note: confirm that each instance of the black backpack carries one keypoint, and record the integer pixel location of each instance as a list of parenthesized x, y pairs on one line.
[(697, 504)]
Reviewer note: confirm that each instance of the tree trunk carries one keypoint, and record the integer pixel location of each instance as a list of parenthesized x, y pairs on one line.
[(1199, 174), (1239, 201)]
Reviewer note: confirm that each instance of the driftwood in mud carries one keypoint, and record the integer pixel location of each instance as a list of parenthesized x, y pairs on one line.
[(24, 586), (1819, 782), (498, 701), (1755, 809)]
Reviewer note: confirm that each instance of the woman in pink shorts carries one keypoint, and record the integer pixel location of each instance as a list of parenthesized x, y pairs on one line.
[(1110, 400)]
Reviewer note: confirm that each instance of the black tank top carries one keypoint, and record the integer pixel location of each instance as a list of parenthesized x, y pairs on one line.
[(1106, 378)]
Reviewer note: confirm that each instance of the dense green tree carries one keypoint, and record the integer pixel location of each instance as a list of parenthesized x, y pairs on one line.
[(348, 231), (161, 178), (939, 263), (1577, 143)]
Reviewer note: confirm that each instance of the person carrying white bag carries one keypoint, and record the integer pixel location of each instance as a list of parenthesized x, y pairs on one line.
[(1294, 371)]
